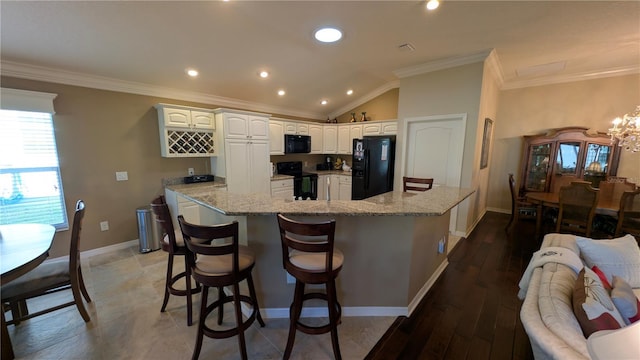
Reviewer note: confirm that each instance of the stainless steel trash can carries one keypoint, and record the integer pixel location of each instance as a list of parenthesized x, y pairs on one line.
[(148, 230)]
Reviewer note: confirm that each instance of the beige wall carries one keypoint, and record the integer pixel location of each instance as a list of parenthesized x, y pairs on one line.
[(382, 107), (101, 132), (451, 91), (534, 110)]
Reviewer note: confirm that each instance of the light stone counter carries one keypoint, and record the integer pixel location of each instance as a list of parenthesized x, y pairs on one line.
[(392, 244), (435, 202)]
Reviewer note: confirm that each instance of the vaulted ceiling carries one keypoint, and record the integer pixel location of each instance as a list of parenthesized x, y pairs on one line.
[(146, 46)]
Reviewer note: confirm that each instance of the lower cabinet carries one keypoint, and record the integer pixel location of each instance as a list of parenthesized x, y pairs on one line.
[(282, 189), (344, 185)]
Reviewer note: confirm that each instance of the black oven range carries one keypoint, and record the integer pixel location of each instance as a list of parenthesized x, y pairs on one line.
[(305, 185)]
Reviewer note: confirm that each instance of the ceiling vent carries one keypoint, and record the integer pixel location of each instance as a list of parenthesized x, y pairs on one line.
[(406, 47)]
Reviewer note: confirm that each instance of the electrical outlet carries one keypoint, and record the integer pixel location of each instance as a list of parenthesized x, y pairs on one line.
[(122, 176), (290, 279), (190, 171), (441, 245), (104, 225)]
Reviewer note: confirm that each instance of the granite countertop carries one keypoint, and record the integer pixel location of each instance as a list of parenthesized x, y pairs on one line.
[(434, 202)]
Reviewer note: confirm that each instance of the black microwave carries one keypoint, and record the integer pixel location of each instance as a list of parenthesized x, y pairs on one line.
[(297, 144)]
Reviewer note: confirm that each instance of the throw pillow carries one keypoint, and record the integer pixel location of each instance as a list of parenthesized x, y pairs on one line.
[(602, 277), (625, 300), (619, 257), (592, 305)]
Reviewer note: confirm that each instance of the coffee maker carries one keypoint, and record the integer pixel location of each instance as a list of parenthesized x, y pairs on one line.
[(328, 163)]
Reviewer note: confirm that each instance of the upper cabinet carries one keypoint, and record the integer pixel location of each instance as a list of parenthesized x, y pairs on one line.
[(185, 131), (554, 159), (317, 142), (379, 128), (243, 124), (296, 128), (276, 137), (329, 139)]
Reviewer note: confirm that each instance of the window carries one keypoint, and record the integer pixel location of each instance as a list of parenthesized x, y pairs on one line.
[(30, 182)]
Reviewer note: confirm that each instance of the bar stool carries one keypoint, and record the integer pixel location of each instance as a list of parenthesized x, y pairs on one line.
[(309, 256), (173, 244), (217, 262)]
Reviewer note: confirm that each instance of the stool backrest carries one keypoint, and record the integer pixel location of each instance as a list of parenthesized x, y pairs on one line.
[(416, 184), (163, 217), (317, 237), (211, 240)]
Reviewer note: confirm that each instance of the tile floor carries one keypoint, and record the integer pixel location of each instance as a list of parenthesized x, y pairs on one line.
[(126, 323)]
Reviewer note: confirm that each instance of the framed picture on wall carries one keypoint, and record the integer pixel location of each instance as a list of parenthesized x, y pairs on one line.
[(486, 142)]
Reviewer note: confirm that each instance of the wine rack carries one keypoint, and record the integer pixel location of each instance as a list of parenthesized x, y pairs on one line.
[(189, 143)]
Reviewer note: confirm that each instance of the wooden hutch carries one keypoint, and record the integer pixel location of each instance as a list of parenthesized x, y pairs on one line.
[(559, 156)]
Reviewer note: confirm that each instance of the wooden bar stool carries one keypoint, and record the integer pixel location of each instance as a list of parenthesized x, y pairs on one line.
[(309, 256), (216, 260), (173, 244), (416, 184)]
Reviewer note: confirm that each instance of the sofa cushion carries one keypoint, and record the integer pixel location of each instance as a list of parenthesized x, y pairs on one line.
[(603, 278), (592, 305), (556, 310), (625, 300), (619, 257)]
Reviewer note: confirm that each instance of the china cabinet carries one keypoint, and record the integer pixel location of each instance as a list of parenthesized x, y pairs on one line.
[(564, 154)]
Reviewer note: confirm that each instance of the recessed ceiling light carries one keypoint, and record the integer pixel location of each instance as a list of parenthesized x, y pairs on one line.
[(192, 72), (324, 102), (432, 4), (264, 74), (349, 92), (328, 35), (281, 92)]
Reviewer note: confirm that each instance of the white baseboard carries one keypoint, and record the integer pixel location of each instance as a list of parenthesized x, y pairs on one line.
[(425, 288), (108, 249), (283, 313), (499, 210)]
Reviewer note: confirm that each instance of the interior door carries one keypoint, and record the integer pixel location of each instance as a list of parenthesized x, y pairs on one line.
[(434, 149)]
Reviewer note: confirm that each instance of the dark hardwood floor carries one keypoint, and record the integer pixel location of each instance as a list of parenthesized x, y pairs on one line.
[(472, 311)]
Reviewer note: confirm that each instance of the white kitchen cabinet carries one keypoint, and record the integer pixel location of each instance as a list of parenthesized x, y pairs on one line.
[(356, 133), (276, 137), (344, 185), (322, 187), (282, 188), (190, 210), (185, 131), (177, 116), (380, 128), (296, 128), (334, 186), (247, 166), (344, 139), (243, 124), (329, 139), (317, 144)]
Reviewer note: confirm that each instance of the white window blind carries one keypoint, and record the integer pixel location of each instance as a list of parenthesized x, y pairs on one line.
[(30, 183)]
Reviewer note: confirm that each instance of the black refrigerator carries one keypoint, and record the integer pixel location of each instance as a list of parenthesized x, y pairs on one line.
[(373, 162)]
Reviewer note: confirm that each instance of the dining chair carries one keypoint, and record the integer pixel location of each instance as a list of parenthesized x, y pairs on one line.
[(50, 277), (629, 214), (217, 260), (520, 207), (578, 202), (308, 254), (173, 244), (613, 190), (416, 184)]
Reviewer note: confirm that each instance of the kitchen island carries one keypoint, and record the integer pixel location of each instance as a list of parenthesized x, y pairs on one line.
[(393, 243)]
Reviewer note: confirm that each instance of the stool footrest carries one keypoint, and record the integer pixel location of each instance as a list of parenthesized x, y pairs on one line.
[(180, 292), (222, 334), (322, 329)]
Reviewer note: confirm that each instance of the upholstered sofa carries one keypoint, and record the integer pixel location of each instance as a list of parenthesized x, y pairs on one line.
[(548, 289)]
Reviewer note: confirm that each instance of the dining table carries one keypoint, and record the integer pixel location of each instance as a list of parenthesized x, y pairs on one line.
[(606, 205), (22, 248)]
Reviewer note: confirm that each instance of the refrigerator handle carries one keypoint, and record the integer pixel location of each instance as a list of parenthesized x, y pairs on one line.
[(366, 169)]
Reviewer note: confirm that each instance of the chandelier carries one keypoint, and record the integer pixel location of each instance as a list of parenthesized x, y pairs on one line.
[(627, 131)]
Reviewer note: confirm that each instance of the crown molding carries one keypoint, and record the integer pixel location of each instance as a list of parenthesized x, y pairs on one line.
[(442, 64), (493, 63), (40, 73), (559, 79), (370, 96)]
